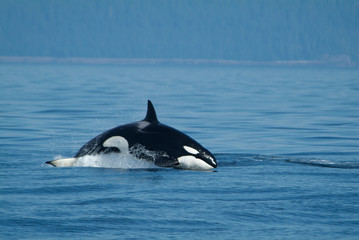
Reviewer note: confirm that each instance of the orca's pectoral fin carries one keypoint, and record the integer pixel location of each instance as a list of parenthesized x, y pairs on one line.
[(166, 162)]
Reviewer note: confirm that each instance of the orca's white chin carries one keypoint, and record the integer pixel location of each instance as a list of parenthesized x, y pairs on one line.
[(192, 163)]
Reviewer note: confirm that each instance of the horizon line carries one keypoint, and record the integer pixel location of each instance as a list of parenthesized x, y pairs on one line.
[(338, 61)]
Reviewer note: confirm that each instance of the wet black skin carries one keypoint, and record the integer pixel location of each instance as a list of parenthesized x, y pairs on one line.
[(152, 135)]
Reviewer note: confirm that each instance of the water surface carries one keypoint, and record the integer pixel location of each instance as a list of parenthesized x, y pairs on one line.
[(286, 141)]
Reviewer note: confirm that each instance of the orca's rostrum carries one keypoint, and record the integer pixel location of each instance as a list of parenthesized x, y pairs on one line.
[(150, 140)]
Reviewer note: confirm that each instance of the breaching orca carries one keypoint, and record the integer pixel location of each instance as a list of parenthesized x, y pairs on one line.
[(150, 140)]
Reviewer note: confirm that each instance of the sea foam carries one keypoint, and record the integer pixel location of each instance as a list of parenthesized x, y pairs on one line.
[(113, 160)]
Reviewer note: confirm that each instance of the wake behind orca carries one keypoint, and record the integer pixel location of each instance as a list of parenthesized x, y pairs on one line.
[(149, 140)]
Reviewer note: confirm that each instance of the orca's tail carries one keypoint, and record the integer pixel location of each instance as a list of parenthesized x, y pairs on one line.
[(64, 162)]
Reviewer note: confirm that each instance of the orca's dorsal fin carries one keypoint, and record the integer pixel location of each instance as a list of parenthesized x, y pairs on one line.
[(151, 113)]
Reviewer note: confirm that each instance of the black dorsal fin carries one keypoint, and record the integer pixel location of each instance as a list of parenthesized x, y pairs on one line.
[(151, 113)]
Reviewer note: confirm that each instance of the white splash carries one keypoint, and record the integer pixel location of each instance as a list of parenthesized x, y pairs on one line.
[(113, 160)]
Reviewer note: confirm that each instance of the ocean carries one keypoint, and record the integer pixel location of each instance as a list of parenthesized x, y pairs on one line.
[(286, 140)]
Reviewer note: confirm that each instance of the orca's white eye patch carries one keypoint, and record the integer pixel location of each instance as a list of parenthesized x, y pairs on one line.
[(190, 150)]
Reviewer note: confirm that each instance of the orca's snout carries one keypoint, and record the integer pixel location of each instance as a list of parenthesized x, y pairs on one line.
[(208, 158)]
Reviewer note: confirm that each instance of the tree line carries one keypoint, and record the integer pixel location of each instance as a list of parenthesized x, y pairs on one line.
[(251, 30)]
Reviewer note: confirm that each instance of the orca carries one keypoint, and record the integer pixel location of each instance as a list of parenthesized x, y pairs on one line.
[(150, 140)]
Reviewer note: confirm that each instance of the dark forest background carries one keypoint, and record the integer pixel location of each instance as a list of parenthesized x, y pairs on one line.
[(244, 30)]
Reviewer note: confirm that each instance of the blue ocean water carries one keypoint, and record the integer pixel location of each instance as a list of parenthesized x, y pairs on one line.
[(286, 141)]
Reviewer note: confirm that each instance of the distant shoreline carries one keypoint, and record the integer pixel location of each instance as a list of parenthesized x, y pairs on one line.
[(333, 62)]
